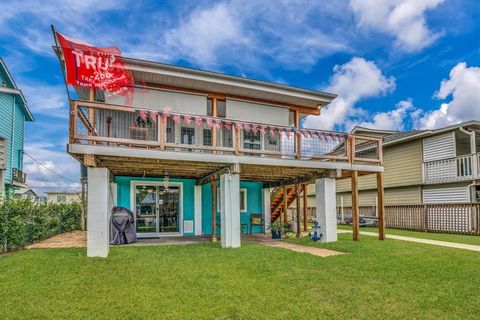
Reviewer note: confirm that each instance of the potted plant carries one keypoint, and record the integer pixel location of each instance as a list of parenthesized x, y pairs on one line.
[(277, 228)]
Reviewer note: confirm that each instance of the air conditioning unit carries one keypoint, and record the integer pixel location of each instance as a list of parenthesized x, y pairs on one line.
[(19, 175)]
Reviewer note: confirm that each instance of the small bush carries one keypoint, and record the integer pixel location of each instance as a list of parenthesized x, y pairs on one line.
[(22, 222)]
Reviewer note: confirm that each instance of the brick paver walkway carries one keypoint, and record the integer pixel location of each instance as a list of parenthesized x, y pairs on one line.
[(320, 252), (420, 240), (74, 239)]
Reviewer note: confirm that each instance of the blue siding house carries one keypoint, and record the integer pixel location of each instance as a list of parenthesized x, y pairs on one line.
[(13, 114)]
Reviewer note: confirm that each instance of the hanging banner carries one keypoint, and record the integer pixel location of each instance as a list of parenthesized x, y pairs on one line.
[(97, 68)]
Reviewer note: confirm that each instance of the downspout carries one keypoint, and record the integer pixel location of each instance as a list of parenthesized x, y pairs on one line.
[(473, 151)]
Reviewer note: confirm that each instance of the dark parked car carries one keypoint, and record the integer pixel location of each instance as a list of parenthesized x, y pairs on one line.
[(365, 221)]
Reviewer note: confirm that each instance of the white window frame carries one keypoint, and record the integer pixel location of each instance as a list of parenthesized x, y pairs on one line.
[(242, 190)]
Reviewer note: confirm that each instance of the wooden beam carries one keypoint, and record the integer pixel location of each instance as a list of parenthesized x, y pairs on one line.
[(355, 218), (305, 203), (285, 205), (162, 137), (214, 210), (214, 129), (234, 168), (298, 137), (381, 206), (89, 160), (303, 179), (299, 224)]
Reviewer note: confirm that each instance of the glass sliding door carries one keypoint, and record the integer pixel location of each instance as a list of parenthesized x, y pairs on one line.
[(157, 209), (168, 209), (146, 209)]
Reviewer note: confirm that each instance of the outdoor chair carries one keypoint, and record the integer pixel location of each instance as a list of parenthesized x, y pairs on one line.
[(256, 220)]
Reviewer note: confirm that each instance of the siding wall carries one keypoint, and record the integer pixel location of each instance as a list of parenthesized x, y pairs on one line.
[(159, 99), (446, 194), (438, 147), (403, 167), (254, 112), (6, 102), (254, 200), (393, 196)]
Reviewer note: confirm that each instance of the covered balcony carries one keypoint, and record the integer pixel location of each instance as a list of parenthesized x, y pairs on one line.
[(100, 124)]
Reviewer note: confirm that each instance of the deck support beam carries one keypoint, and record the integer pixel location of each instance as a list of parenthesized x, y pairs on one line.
[(326, 215), (381, 206), (299, 222), (267, 210), (305, 205), (285, 205), (214, 210), (355, 207), (100, 198), (230, 210)]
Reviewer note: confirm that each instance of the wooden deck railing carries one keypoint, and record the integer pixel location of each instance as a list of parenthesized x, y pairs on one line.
[(113, 125), (462, 218)]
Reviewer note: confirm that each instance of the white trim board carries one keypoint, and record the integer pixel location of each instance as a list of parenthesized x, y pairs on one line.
[(219, 158)]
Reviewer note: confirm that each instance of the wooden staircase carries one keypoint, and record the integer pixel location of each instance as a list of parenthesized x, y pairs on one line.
[(276, 201)]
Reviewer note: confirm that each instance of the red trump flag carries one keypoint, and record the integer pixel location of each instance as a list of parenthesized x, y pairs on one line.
[(93, 67)]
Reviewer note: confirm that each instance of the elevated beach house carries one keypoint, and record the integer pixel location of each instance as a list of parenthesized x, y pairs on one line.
[(14, 113), (199, 153)]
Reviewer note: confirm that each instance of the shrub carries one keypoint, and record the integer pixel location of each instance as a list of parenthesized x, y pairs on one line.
[(22, 222)]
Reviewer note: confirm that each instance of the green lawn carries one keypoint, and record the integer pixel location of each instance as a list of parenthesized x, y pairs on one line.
[(458, 238), (375, 280)]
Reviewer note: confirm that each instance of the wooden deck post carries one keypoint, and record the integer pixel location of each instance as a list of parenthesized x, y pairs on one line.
[(381, 206), (161, 132), (285, 206), (355, 218), (214, 210), (305, 204), (214, 129), (299, 223), (298, 137)]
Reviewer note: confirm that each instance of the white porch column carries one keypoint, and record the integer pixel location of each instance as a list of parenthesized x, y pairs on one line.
[(326, 214), (198, 210), (100, 200), (230, 210), (2, 183), (267, 214)]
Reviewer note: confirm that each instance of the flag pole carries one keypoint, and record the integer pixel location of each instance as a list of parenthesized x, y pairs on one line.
[(62, 66)]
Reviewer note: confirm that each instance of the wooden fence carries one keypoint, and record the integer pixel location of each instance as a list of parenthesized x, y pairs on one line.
[(463, 218)]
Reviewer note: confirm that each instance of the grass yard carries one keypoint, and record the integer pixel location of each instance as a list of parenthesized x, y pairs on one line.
[(458, 238), (375, 280)]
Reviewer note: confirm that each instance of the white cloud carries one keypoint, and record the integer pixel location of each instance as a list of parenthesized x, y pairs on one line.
[(205, 32), (389, 120), (32, 20), (353, 81), (41, 177), (245, 34), (45, 99), (403, 19), (463, 86)]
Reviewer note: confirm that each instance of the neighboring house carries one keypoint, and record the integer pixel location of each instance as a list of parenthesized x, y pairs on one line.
[(13, 114), (423, 167), (208, 165), (63, 197), (27, 193)]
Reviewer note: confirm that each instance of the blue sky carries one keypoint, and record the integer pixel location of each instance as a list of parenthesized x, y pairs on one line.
[(395, 64)]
